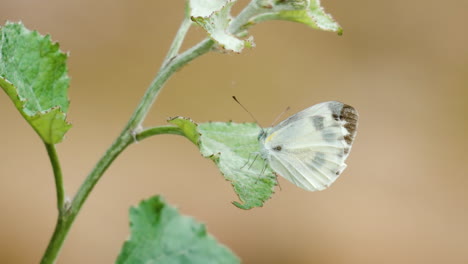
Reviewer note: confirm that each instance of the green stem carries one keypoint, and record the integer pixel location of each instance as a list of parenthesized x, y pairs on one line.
[(126, 137), (67, 217), (171, 64), (177, 43), (166, 72), (57, 175), (242, 20)]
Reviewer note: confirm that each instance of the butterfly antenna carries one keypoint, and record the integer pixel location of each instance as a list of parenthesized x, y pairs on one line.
[(280, 115), (237, 101)]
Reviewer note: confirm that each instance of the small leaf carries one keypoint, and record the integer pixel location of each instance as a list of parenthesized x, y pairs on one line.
[(321, 20), (308, 12), (214, 17), (236, 151), (159, 234), (33, 73)]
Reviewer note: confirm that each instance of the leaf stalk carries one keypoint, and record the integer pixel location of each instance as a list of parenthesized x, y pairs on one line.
[(54, 160)]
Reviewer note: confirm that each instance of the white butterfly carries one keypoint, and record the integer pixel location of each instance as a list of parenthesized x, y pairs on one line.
[(310, 148)]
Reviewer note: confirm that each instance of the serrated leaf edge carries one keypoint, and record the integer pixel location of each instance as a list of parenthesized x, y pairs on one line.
[(245, 42)]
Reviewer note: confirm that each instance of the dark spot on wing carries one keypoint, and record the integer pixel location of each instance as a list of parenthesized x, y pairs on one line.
[(329, 136), (350, 116), (318, 122), (319, 159), (336, 117), (347, 114), (349, 139), (277, 148)]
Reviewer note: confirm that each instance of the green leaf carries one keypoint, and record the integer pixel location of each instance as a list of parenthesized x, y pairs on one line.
[(33, 73), (214, 17), (159, 234), (235, 150), (308, 12)]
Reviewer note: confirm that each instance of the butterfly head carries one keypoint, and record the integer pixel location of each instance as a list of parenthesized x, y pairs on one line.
[(262, 135)]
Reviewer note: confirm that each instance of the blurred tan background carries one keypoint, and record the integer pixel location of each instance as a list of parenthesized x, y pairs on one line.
[(402, 64)]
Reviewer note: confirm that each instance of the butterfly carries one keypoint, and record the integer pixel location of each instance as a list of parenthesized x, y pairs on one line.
[(310, 148)]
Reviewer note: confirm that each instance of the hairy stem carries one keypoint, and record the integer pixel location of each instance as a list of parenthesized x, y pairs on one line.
[(241, 22), (165, 73), (171, 64), (66, 218), (178, 40), (126, 137)]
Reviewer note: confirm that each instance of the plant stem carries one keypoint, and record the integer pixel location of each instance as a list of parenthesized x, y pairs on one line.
[(171, 64), (242, 20), (179, 38), (165, 73), (158, 131), (66, 219), (57, 175)]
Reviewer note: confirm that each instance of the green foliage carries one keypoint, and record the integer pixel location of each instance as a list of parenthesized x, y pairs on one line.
[(159, 234), (215, 18), (235, 150), (308, 12), (33, 73)]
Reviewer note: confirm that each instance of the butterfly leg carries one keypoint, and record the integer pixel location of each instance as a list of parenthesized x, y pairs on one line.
[(262, 171), (248, 160), (251, 164)]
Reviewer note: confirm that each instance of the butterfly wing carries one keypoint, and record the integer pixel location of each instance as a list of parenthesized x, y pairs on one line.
[(310, 148), (307, 177)]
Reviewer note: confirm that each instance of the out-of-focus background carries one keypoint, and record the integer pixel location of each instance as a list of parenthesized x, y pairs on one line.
[(403, 198)]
